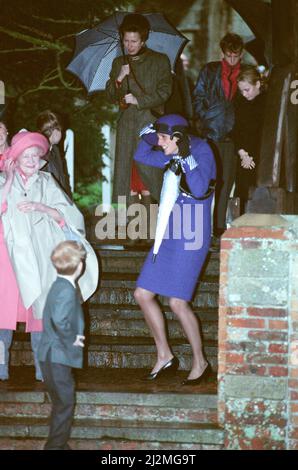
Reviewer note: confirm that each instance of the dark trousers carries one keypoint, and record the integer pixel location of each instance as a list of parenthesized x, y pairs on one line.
[(226, 165), (60, 385)]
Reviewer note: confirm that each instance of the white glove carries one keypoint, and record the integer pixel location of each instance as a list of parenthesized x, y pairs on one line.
[(147, 130)]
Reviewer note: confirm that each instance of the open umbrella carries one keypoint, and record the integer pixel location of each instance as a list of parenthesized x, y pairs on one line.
[(168, 197), (96, 48)]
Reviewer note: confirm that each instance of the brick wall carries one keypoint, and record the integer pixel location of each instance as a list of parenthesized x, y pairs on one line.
[(258, 333)]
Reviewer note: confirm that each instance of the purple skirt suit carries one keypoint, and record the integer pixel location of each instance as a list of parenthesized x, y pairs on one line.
[(183, 251)]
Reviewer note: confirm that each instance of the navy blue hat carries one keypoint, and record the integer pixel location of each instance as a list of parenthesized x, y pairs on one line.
[(171, 124)]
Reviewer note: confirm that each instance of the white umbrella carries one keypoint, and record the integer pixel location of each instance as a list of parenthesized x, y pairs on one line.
[(168, 197)]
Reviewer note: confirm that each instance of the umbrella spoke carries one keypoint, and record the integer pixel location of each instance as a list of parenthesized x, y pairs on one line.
[(112, 48), (99, 44), (110, 33)]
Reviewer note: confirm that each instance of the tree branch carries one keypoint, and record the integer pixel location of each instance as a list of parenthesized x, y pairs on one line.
[(35, 31), (67, 36), (6, 51), (55, 45), (49, 79), (61, 77), (51, 20), (46, 87)]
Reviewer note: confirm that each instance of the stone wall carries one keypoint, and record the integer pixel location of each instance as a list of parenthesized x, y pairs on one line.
[(258, 333)]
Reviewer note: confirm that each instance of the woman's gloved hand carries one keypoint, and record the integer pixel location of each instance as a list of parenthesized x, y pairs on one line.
[(175, 166), (182, 144)]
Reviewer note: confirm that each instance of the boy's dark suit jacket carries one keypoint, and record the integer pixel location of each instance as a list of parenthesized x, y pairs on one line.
[(63, 320)]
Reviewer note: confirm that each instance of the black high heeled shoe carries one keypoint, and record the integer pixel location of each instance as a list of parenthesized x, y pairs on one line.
[(169, 368), (202, 378)]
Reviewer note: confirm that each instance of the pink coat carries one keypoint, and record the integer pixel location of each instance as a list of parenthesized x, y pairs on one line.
[(12, 308)]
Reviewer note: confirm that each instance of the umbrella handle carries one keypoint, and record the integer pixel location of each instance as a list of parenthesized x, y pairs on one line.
[(127, 82), (123, 54), (125, 62)]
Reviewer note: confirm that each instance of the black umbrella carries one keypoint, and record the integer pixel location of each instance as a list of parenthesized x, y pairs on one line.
[(96, 48)]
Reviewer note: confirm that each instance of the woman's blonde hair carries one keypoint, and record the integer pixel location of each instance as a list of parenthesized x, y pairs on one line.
[(250, 74), (67, 255)]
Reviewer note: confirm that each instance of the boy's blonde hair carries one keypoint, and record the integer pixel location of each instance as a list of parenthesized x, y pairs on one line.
[(67, 256)]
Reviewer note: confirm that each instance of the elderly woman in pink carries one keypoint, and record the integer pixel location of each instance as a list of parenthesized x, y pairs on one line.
[(35, 215)]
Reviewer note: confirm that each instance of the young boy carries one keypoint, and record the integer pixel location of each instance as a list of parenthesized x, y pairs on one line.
[(61, 345)]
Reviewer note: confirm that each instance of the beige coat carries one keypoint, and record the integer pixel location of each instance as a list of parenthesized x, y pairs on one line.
[(31, 237)]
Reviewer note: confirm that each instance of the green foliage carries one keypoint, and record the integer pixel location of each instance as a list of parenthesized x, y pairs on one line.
[(37, 43), (87, 195)]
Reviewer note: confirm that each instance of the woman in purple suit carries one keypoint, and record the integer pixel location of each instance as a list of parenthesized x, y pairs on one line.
[(182, 253)]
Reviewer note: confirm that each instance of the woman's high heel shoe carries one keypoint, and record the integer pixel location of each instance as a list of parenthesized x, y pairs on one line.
[(170, 367), (200, 379)]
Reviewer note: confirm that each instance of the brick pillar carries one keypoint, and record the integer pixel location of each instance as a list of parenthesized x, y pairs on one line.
[(293, 352), (258, 333)]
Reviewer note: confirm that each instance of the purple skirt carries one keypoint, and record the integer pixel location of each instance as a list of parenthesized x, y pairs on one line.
[(179, 261)]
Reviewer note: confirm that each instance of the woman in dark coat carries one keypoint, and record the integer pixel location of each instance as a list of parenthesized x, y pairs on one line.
[(49, 125), (175, 272), (141, 82), (249, 117)]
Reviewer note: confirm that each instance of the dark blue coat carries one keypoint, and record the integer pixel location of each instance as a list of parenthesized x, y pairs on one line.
[(215, 112), (63, 320)]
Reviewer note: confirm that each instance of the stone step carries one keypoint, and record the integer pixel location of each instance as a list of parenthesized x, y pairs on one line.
[(163, 407), (119, 289), (119, 320), (108, 445), (122, 295), (119, 352), (116, 409), (141, 352), (149, 431), (132, 261), (113, 280)]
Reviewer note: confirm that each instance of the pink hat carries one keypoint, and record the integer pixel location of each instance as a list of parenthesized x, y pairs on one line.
[(23, 140)]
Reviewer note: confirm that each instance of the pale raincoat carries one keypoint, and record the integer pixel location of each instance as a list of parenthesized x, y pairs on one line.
[(31, 238)]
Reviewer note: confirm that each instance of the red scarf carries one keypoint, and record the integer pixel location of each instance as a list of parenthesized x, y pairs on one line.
[(229, 76)]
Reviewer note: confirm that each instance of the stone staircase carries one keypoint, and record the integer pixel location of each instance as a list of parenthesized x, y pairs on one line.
[(119, 336), (113, 411), (115, 408)]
